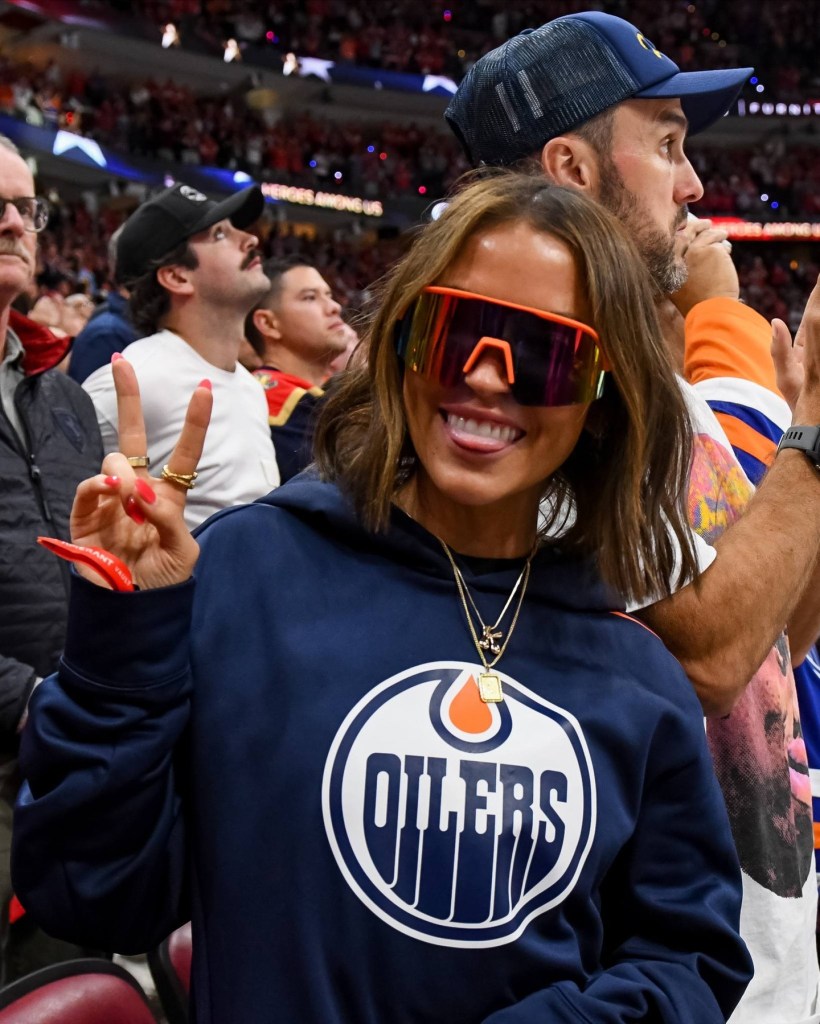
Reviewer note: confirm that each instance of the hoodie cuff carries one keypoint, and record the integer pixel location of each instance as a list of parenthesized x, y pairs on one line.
[(128, 640)]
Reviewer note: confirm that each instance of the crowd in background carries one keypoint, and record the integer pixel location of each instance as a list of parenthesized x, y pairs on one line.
[(778, 179), (445, 37), (373, 159)]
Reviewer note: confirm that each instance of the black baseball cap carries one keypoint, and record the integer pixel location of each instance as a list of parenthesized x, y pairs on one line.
[(549, 80), (162, 223)]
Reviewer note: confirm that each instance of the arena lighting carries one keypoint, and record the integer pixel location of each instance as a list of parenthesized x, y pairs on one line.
[(232, 51), (170, 36), (304, 67), (807, 108), (65, 141), (325, 200), (768, 231), (438, 82)]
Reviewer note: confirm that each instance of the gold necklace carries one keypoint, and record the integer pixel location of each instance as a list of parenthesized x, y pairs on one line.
[(489, 684)]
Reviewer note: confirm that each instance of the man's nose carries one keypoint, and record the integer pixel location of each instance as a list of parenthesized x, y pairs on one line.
[(688, 186), (12, 220)]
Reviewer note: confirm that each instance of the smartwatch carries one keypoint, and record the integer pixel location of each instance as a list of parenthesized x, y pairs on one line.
[(807, 439)]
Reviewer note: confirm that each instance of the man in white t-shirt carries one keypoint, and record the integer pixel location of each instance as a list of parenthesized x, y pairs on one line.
[(589, 101), (193, 274)]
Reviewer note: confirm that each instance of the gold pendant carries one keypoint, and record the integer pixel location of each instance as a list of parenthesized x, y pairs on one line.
[(489, 688)]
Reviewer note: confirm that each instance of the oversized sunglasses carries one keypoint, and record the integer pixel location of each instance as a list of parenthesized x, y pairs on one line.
[(549, 359)]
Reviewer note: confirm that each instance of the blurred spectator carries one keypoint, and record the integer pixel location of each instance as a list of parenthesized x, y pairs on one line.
[(109, 329)]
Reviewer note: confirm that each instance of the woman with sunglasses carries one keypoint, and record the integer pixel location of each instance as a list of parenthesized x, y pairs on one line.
[(392, 744)]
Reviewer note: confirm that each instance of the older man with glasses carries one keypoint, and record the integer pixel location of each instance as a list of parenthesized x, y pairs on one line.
[(49, 441)]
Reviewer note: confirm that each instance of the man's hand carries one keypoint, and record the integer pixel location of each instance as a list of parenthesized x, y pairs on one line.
[(712, 273), (787, 356)]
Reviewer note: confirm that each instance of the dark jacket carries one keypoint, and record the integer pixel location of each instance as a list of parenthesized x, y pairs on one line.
[(291, 750), (108, 331), (37, 481)]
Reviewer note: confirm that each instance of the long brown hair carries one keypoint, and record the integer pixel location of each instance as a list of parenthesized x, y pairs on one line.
[(627, 476)]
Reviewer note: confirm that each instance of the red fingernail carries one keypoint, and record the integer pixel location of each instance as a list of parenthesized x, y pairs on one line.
[(205, 384), (132, 509), (116, 356), (111, 481), (145, 491)]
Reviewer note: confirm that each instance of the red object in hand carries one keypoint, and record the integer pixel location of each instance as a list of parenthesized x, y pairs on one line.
[(114, 571)]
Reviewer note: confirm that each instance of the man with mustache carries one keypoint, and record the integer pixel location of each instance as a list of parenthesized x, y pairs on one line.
[(589, 101), (193, 273), (49, 442)]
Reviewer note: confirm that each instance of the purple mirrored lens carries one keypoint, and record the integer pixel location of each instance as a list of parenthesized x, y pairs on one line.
[(553, 363)]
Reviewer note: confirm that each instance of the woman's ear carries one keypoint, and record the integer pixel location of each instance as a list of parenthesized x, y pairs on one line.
[(570, 161)]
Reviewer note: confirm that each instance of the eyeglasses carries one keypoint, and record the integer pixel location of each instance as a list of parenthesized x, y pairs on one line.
[(549, 359), (33, 211)]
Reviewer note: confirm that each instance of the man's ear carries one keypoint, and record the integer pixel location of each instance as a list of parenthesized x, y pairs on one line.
[(570, 161), (266, 322), (176, 279)]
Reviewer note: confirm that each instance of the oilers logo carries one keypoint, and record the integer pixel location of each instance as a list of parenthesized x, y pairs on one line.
[(454, 821)]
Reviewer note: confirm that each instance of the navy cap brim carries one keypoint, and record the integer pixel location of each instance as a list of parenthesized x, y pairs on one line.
[(241, 209), (705, 96)]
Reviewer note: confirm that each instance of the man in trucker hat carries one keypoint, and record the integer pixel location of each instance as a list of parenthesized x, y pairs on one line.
[(591, 102)]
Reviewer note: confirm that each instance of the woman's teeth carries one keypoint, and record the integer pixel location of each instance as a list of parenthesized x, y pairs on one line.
[(495, 431)]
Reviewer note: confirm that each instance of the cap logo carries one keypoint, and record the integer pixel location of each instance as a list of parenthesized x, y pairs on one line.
[(648, 46), (192, 194)]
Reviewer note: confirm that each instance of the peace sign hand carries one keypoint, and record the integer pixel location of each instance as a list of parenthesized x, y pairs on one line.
[(133, 516)]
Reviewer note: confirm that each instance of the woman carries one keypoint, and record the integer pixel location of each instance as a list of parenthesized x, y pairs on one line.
[(413, 765)]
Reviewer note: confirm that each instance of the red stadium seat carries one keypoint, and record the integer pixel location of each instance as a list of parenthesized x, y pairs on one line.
[(170, 965), (76, 992)]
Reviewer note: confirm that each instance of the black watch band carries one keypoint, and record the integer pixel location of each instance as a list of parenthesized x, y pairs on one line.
[(807, 439)]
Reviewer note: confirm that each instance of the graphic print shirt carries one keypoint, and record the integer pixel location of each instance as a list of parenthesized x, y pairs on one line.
[(758, 749)]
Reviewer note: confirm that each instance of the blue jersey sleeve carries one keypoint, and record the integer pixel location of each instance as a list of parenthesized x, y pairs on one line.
[(99, 841)]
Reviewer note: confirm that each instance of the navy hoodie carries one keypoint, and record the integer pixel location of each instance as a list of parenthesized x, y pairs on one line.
[(290, 750)]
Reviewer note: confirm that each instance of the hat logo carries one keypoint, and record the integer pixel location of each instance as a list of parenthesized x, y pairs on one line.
[(648, 46), (191, 193)]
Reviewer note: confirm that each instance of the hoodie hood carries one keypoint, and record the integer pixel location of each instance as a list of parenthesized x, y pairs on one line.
[(43, 349), (563, 580)]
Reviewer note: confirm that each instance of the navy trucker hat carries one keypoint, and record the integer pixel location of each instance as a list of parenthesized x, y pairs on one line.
[(551, 79), (161, 224)]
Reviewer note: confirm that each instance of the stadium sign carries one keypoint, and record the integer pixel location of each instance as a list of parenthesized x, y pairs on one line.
[(769, 231), (325, 200)]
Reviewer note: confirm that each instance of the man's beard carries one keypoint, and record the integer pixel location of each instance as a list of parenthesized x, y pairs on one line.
[(656, 248)]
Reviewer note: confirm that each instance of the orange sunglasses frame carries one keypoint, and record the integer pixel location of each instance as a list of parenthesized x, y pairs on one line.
[(504, 346)]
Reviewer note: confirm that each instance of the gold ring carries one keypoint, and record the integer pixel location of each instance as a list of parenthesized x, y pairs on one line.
[(185, 480), (138, 461)]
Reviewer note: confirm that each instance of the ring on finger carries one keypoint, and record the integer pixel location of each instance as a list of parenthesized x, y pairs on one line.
[(185, 480), (138, 461)]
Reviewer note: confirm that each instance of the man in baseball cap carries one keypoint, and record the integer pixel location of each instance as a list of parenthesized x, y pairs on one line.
[(193, 273), (594, 101), (158, 226), (590, 101)]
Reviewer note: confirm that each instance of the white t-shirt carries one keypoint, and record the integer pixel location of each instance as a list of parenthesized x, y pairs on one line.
[(238, 462)]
